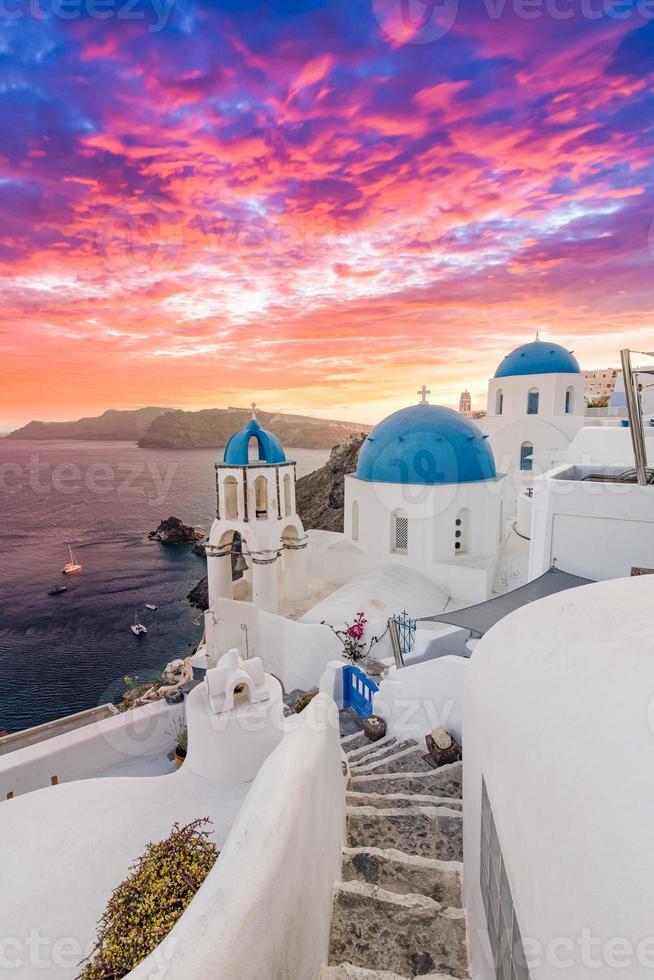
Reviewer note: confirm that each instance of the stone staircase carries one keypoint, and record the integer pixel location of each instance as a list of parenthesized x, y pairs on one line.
[(398, 909)]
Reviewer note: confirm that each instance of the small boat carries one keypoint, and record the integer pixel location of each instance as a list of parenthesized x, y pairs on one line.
[(138, 629), (57, 590), (72, 566), (150, 605)]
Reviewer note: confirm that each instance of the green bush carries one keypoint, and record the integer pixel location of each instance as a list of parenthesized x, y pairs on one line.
[(304, 701), (144, 908)]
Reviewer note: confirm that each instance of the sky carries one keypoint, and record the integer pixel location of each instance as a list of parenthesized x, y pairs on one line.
[(318, 204)]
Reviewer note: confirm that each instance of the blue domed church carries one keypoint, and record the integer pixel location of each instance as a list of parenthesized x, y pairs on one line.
[(535, 408), (426, 495)]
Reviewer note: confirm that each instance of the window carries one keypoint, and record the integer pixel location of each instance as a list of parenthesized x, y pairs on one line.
[(461, 528), (400, 533), (499, 402), (287, 495), (355, 520), (569, 401), (261, 498), (503, 930), (526, 456), (533, 399), (230, 487)]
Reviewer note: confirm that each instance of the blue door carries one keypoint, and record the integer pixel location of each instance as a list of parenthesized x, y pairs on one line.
[(358, 690)]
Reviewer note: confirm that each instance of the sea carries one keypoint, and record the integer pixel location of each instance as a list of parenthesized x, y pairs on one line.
[(62, 654)]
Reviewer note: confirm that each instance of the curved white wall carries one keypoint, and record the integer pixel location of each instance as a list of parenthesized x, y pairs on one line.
[(413, 700), (264, 911), (559, 716)]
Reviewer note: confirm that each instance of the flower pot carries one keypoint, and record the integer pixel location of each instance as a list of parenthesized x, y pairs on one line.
[(180, 755), (374, 728)]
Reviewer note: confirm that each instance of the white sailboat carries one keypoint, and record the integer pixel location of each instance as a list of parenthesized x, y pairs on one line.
[(138, 629), (72, 566), (150, 605)]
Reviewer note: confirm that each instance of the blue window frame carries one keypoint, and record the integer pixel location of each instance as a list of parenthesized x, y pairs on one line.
[(526, 456)]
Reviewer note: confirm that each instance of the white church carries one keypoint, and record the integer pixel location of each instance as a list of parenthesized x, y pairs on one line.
[(519, 556)]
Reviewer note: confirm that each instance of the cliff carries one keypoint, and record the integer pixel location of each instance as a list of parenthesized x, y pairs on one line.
[(174, 531), (320, 495), (211, 428), (112, 424)]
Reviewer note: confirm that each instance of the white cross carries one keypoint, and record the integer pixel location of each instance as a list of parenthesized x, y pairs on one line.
[(423, 395), (253, 406)]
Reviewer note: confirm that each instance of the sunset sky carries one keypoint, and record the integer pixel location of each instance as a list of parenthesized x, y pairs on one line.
[(320, 205)]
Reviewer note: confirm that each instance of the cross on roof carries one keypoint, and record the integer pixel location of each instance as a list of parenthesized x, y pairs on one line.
[(423, 395), (253, 406)]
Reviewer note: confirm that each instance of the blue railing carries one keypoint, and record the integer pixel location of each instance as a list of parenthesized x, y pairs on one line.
[(358, 690)]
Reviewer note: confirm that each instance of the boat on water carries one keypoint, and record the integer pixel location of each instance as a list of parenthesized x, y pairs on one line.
[(72, 566), (138, 629), (150, 605), (57, 590)]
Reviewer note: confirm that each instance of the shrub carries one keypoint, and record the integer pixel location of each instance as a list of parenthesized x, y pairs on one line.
[(304, 701), (144, 908)]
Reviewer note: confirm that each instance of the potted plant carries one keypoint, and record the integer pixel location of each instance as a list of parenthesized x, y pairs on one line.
[(181, 746), (352, 638)]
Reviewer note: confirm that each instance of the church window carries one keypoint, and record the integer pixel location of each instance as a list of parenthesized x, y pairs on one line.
[(499, 403), (400, 533), (261, 497), (231, 498), (526, 456), (355, 520), (533, 399), (569, 401), (287, 495), (461, 527)]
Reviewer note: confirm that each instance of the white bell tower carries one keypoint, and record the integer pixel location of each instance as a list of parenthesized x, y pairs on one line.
[(256, 519)]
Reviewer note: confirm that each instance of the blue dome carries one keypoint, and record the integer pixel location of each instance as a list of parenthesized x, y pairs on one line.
[(426, 444), (237, 448), (538, 357)]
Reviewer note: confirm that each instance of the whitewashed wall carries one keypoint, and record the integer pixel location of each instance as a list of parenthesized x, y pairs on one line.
[(86, 751), (560, 723), (295, 653), (264, 911), (414, 700)]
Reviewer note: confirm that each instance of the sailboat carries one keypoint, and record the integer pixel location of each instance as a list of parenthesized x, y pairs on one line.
[(150, 605), (72, 566), (138, 629)]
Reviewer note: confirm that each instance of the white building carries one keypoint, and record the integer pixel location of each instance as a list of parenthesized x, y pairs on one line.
[(600, 383), (256, 518), (535, 407)]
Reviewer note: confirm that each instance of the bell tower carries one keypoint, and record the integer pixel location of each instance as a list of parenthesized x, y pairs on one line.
[(256, 519)]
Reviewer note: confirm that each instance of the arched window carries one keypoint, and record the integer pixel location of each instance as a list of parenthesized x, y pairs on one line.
[(288, 503), (462, 532), (569, 400), (533, 399), (254, 454), (230, 487), (499, 402), (355, 520), (527, 456), (399, 533), (261, 497)]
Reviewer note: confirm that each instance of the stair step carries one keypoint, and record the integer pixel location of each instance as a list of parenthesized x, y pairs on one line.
[(433, 832), (347, 971), (356, 756), (355, 741), (401, 800), (408, 759), (405, 874), (445, 781), (410, 935)]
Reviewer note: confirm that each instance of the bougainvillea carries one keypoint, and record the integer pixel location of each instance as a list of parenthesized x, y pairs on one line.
[(354, 648)]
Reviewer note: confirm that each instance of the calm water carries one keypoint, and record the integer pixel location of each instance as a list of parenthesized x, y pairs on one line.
[(60, 654)]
